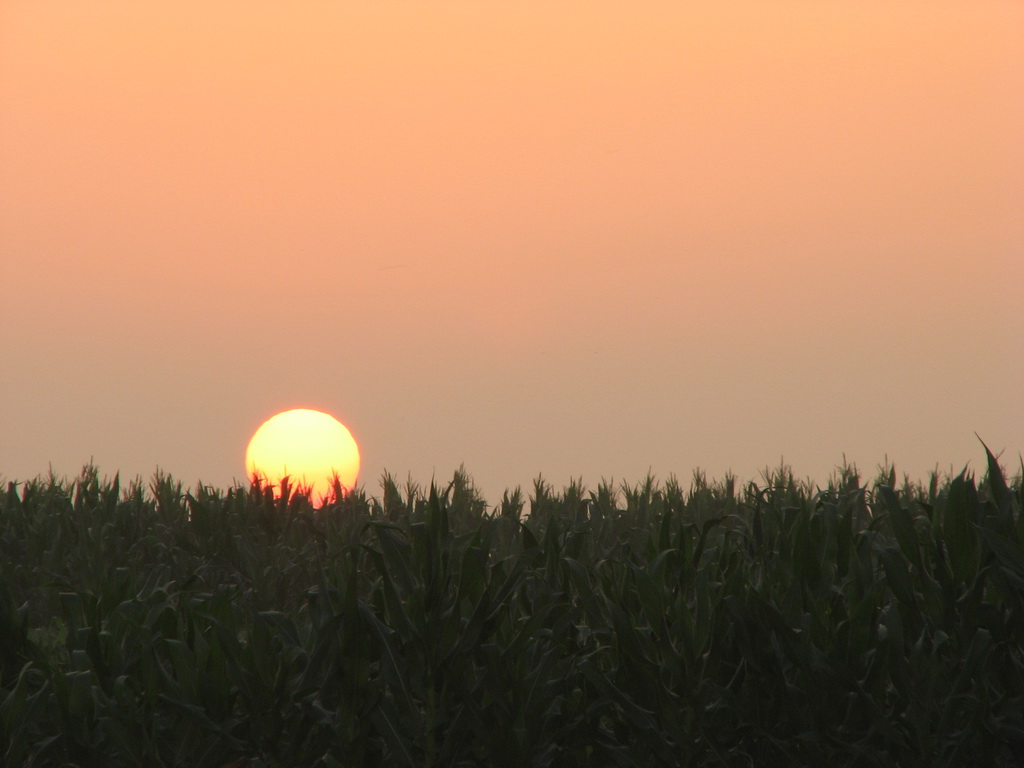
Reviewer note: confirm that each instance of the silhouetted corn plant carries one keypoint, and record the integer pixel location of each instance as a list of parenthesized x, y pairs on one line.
[(643, 625)]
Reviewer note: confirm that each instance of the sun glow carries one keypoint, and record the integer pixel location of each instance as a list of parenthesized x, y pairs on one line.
[(309, 447)]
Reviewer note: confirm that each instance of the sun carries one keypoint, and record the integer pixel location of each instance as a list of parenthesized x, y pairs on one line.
[(309, 447)]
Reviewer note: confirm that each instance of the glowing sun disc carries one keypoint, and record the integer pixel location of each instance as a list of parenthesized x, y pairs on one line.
[(309, 447)]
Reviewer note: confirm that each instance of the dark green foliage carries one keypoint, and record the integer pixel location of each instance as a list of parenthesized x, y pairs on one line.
[(778, 624)]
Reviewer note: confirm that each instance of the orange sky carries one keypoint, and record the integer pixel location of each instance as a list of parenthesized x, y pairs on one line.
[(571, 238)]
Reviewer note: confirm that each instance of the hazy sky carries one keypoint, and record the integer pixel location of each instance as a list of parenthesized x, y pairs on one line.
[(577, 239)]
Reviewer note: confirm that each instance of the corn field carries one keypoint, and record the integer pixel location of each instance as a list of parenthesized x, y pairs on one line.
[(773, 624)]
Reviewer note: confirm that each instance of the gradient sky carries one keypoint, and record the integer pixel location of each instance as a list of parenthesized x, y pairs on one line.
[(576, 239)]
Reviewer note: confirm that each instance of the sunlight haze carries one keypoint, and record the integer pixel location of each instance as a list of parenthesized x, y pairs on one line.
[(571, 239)]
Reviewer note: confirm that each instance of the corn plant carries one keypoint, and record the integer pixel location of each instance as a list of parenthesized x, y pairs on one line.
[(771, 623)]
